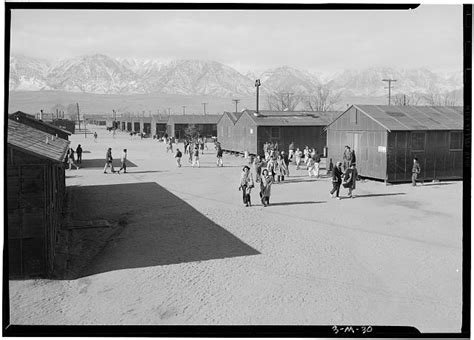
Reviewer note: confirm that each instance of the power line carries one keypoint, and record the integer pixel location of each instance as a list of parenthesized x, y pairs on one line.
[(389, 88)]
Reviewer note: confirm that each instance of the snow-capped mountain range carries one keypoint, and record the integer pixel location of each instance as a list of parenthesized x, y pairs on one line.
[(101, 74)]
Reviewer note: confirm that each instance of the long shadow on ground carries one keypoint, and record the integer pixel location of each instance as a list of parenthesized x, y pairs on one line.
[(150, 226), (100, 163), (297, 203), (379, 195)]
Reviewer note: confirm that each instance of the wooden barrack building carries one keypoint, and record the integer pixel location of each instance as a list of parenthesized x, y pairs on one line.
[(36, 190), (387, 138)]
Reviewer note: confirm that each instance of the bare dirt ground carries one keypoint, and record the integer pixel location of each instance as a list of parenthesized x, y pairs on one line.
[(182, 249)]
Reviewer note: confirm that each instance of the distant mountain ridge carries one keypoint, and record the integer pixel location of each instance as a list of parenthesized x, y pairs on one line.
[(101, 74)]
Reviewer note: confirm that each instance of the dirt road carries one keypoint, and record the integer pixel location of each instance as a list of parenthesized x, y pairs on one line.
[(188, 251)]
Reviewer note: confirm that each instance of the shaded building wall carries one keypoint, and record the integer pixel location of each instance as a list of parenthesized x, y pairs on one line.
[(439, 154), (365, 136), (244, 135), (225, 135), (312, 136), (206, 130), (35, 196)]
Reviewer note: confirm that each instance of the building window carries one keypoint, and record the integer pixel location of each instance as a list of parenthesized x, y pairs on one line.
[(418, 141), (455, 141), (275, 132), (251, 131), (353, 116)]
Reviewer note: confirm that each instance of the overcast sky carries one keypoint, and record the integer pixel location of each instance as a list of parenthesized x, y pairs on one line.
[(327, 41)]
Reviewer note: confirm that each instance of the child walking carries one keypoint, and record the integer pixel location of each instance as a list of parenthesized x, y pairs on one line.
[(123, 159), (265, 187), (178, 158), (246, 185)]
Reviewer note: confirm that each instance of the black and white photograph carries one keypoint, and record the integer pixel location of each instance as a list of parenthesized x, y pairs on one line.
[(186, 165)]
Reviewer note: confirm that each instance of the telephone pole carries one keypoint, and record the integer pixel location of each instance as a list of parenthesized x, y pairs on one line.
[(389, 88), (204, 104), (257, 85), (78, 117), (236, 102)]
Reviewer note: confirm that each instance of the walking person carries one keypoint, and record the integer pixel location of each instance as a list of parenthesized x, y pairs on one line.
[(95, 137), (310, 166), (201, 145), (306, 154), (108, 161), (346, 158), (71, 159), (317, 159), (415, 171), (350, 178), (266, 182), (178, 156), (196, 157), (186, 145), (219, 156), (280, 169), (336, 180), (123, 160), (286, 159), (298, 155), (271, 167), (291, 150), (246, 185), (191, 151), (79, 154), (170, 145)]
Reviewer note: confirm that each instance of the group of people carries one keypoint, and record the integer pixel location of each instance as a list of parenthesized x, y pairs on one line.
[(195, 148), (344, 173), (109, 161), (247, 184), (71, 157), (274, 166)]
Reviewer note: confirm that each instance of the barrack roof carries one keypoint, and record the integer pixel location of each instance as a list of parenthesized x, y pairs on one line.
[(36, 142)]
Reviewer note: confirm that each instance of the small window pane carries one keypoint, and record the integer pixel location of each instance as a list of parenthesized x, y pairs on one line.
[(418, 141), (275, 132), (455, 141)]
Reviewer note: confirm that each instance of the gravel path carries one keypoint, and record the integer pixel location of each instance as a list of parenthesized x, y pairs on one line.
[(189, 252)]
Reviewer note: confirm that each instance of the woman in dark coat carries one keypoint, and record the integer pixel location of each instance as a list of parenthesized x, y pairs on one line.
[(350, 178), (266, 182), (336, 180)]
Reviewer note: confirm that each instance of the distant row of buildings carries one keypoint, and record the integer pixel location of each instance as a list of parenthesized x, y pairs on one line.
[(385, 138)]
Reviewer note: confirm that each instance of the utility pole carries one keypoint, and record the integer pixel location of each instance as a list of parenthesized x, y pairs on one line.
[(184, 109), (85, 130), (236, 102), (389, 88), (78, 117), (257, 85), (204, 104), (404, 100)]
